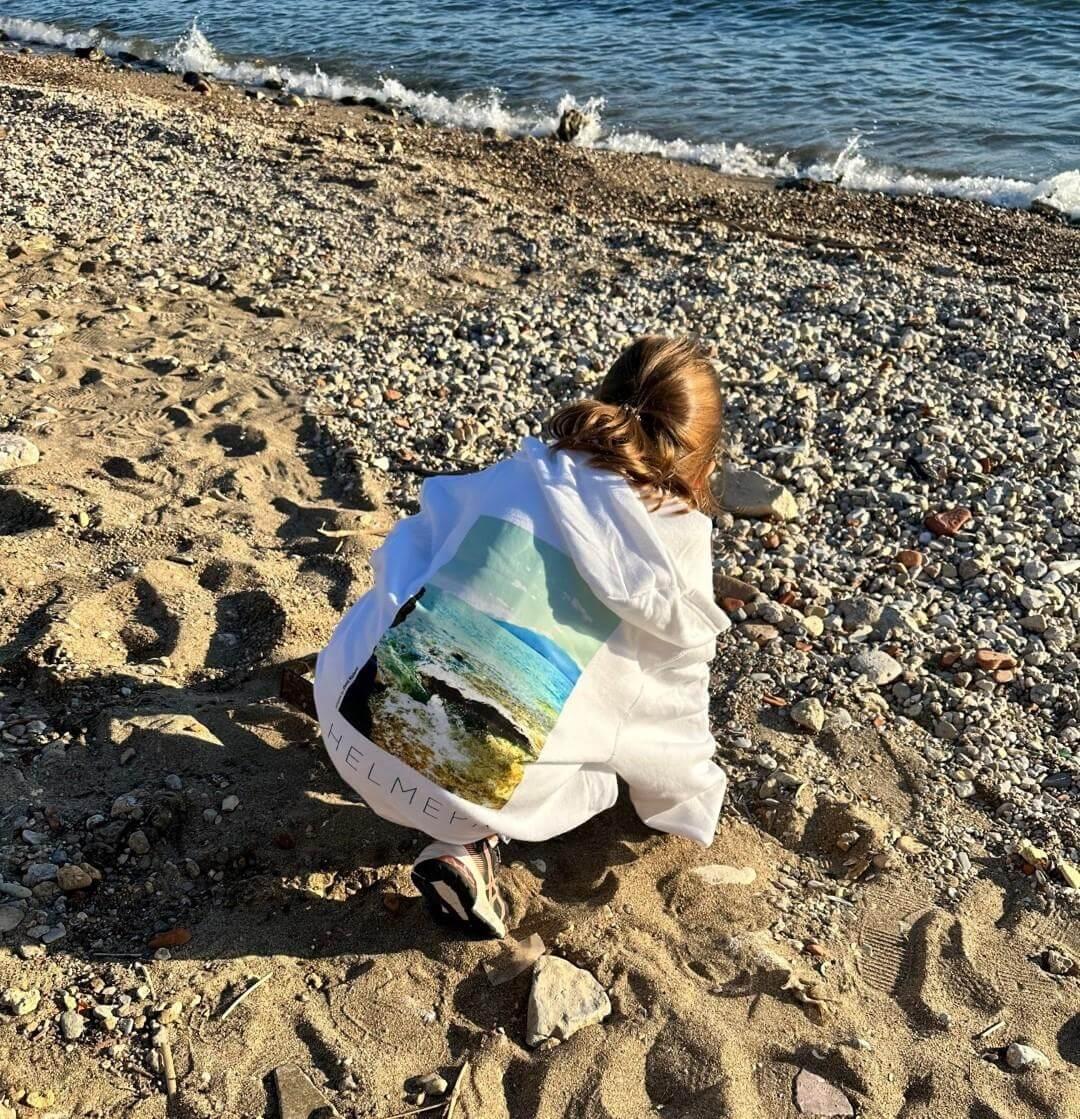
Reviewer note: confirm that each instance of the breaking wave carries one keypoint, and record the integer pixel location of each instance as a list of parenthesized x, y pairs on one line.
[(850, 168)]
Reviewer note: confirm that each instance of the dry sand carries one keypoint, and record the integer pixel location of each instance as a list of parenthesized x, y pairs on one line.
[(166, 554)]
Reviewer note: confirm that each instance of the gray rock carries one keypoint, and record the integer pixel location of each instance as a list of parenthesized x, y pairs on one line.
[(11, 917), (36, 873), (571, 124), (138, 843), (563, 1000), (858, 611), (1020, 1057), (817, 1097), (808, 714), (297, 1097), (15, 451), (876, 665), (746, 493), (72, 1025)]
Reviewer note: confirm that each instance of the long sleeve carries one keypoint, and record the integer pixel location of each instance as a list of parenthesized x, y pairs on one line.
[(664, 752), (664, 748)]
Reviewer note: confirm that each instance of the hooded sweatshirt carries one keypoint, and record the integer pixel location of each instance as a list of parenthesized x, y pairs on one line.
[(533, 633)]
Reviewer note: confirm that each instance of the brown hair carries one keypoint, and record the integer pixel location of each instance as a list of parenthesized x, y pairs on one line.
[(657, 419)]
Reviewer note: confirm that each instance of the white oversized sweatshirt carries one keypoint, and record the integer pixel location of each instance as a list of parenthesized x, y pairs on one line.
[(533, 632)]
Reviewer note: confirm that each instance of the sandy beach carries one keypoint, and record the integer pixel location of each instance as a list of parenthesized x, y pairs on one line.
[(236, 334)]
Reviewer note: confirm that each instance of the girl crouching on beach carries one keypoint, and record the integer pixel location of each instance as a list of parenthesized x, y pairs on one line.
[(539, 629)]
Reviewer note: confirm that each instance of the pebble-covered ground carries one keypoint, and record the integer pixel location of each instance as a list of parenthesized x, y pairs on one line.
[(291, 314)]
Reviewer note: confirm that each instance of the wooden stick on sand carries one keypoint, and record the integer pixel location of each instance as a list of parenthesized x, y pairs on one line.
[(161, 1040), (457, 1088), (243, 995)]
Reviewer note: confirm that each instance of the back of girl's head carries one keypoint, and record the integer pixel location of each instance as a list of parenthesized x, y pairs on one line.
[(657, 419)]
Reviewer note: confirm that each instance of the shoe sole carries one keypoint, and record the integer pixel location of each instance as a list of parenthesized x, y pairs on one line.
[(451, 902)]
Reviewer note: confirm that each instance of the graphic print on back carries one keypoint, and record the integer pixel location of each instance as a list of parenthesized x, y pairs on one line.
[(467, 685)]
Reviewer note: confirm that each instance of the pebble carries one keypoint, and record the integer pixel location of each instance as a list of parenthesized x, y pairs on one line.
[(1020, 1057), (73, 877), (36, 873), (432, 1084), (808, 714), (876, 665), (72, 1025), (11, 916), (169, 1013)]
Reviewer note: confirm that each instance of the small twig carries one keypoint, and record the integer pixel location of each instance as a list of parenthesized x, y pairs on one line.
[(118, 955), (243, 995), (991, 1029), (339, 533), (161, 1040), (417, 1110), (145, 972), (457, 1088)]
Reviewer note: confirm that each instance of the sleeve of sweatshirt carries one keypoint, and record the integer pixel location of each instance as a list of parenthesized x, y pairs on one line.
[(664, 747)]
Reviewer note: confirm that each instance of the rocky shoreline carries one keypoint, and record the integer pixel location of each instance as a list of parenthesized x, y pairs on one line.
[(236, 334)]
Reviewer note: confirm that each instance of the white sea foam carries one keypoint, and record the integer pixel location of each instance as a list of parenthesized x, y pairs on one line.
[(851, 168)]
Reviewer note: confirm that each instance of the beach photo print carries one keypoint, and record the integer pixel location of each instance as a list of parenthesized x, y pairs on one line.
[(467, 685)]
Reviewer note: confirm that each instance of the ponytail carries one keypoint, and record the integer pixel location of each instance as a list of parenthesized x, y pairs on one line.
[(657, 420)]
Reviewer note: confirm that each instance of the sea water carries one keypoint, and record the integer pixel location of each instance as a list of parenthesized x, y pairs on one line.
[(976, 99)]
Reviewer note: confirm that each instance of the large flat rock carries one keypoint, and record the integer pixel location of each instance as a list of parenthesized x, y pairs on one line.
[(563, 1000)]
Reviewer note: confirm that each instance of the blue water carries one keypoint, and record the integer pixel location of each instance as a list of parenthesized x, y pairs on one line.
[(546, 648), (980, 99), (480, 657)]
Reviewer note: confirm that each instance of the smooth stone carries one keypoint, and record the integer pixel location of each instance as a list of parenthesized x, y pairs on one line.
[(808, 714), (815, 1096), (11, 917), (727, 586), (36, 873), (1019, 1057), (563, 1000), (876, 665), (432, 1084), (719, 874), (746, 493)]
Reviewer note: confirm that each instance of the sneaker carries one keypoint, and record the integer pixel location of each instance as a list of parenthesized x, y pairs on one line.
[(458, 884)]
